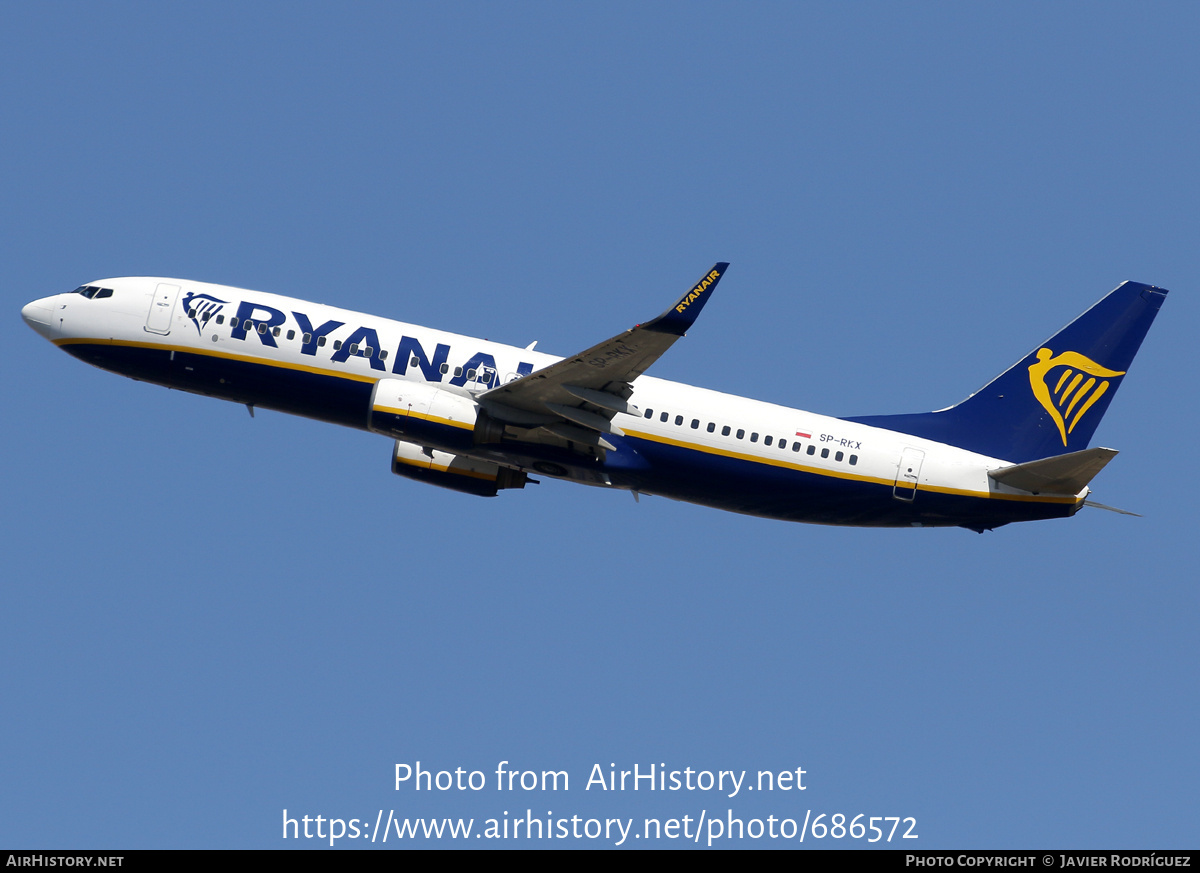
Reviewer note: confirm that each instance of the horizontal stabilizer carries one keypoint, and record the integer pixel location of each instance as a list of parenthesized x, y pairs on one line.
[(1060, 474)]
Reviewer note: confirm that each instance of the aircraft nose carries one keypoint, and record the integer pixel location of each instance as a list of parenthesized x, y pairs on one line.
[(37, 315)]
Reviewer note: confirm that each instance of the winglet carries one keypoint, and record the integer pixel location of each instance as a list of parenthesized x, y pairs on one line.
[(686, 310)]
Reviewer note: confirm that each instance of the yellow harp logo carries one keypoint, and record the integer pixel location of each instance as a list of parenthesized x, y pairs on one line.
[(1071, 395)]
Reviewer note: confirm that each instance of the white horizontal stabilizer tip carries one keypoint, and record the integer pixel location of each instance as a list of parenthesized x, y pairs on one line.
[(603, 399), (1060, 474)]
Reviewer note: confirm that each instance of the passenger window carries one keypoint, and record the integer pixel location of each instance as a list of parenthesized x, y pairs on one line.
[(277, 331), (471, 375), (695, 423), (853, 460), (824, 453), (678, 420), (782, 445), (795, 447), (262, 328), (741, 433), (233, 321), (416, 362), (711, 426), (458, 371), (292, 335), (337, 345), (725, 430), (321, 341), (838, 456), (368, 352), (754, 437), (812, 450), (220, 319), (191, 313), (766, 441), (649, 413), (664, 416), (306, 339), (383, 355), (354, 348), (443, 369)]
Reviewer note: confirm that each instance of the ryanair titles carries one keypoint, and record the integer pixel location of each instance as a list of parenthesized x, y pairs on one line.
[(700, 288), (265, 322)]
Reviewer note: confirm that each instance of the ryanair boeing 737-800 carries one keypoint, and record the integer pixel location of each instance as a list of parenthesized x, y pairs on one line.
[(479, 417)]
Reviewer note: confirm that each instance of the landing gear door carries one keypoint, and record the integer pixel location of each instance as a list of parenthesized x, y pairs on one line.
[(908, 474), (162, 306)]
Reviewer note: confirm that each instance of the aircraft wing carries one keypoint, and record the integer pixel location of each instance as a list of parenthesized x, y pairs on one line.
[(577, 397)]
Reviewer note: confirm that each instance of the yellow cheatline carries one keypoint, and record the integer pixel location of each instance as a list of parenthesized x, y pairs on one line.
[(834, 474), (445, 468), (408, 413), (838, 474), (438, 420), (217, 353)]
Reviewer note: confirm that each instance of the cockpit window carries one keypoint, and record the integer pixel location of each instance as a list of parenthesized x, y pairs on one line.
[(93, 291)]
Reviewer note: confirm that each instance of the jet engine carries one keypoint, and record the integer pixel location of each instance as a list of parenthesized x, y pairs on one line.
[(431, 415), (457, 472)]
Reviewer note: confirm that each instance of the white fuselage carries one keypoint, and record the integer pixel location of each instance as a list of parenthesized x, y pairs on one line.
[(760, 457)]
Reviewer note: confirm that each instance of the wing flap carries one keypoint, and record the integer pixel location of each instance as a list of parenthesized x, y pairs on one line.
[(585, 419), (603, 399)]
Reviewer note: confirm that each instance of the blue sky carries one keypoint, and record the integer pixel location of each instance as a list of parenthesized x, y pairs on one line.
[(209, 619)]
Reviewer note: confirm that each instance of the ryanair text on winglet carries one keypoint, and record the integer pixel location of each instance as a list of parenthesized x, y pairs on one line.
[(697, 291)]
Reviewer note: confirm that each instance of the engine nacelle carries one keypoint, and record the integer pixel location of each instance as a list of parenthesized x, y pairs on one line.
[(423, 413), (456, 472)]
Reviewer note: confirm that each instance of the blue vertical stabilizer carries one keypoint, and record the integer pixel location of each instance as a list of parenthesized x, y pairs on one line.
[(1050, 401)]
